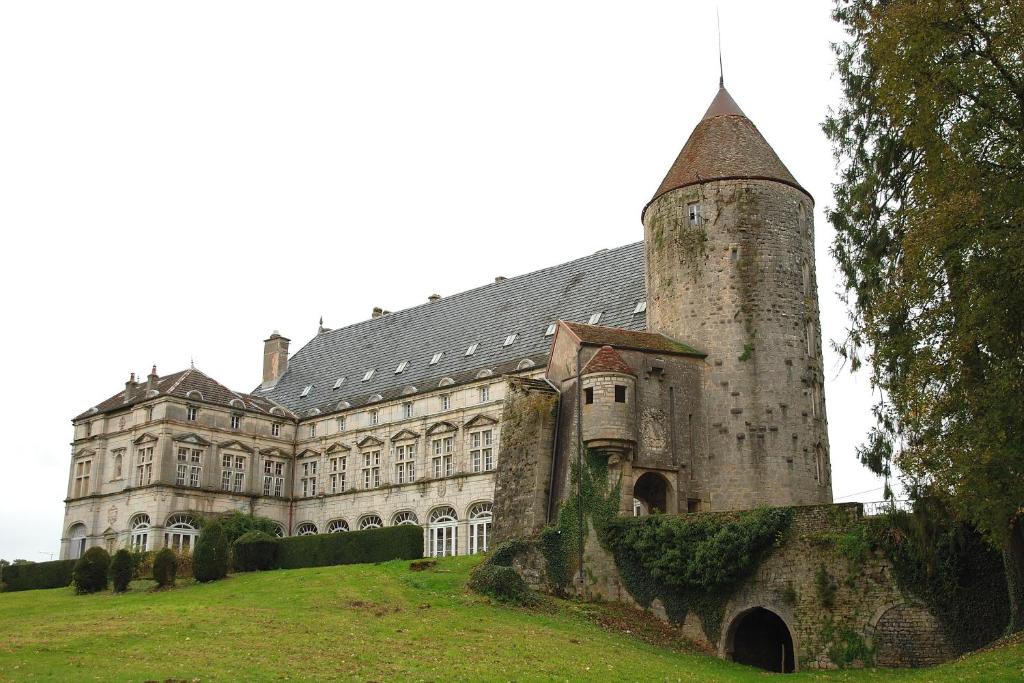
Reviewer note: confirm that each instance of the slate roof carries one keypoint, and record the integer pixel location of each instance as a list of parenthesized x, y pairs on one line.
[(607, 360), (630, 339), (180, 384), (610, 281), (725, 145)]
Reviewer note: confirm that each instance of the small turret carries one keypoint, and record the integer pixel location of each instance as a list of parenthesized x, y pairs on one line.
[(609, 391)]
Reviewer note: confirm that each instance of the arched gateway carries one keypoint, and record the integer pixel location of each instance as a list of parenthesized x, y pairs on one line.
[(759, 637)]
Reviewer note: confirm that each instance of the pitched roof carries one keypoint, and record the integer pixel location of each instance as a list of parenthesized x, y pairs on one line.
[(725, 145), (600, 335), (610, 282), (607, 360), (180, 384)]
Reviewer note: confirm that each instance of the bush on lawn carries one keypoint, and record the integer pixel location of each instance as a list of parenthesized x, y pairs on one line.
[(501, 583), (165, 568), (353, 547), (122, 569), (90, 575), (255, 551), (210, 559), (30, 576)]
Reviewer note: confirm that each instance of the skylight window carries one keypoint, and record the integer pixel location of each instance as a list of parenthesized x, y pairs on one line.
[(339, 382), (368, 375), (596, 318), (401, 367), (472, 349), (641, 306), (306, 390), (436, 358), (550, 331), (510, 339)]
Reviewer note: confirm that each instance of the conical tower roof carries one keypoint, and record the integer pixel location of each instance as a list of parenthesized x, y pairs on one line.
[(725, 145)]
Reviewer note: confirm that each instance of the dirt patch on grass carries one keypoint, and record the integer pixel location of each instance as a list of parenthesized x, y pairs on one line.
[(639, 624), (422, 565)]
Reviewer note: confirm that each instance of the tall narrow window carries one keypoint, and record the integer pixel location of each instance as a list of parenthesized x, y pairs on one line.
[(371, 469), (479, 528), (436, 358), (443, 460), (236, 421), (82, 469), (118, 464), (405, 463), (273, 478), (191, 413), (443, 532), (308, 481), (620, 393), (595, 318), (588, 395), (312, 430), (338, 471), (190, 467), (481, 450), (446, 402), (374, 417), (144, 466), (484, 394), (407, 409), (232, 475), (693, 213), (275, 429)]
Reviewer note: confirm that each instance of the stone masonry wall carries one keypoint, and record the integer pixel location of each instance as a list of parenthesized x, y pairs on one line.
[(523, 480), (740, 286)]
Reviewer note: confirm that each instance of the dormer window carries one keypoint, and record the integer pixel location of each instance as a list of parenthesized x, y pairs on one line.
[(338, 382), (369, 375), (693, 213), (550, 331), (401, 367), (305, 391), (510, 340), (595, 318), (641, 307), (437, 358), (472, 349)]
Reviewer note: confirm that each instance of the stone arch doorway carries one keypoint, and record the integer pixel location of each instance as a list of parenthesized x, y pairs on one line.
[(759, 637), (651, 490)]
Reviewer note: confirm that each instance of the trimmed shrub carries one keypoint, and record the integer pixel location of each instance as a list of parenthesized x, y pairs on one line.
[(165, 568), (353, 547), (501, 583), (236, 524), (255, 551), (26, 577), (122, 568), (90, 575), (210, 559)]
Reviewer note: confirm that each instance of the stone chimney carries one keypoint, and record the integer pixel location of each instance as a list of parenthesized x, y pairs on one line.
[(433, 297), (130, 388), (151, 380), (275, 358), (377, 312), (500, 278)]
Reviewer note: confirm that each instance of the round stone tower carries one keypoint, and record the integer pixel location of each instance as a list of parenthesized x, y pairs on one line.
[(609, 398), (730, 270)]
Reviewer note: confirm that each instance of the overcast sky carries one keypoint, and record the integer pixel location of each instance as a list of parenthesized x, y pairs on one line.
[(179, 179)]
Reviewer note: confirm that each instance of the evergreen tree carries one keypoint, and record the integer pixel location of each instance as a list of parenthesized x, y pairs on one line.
[(210, 559)]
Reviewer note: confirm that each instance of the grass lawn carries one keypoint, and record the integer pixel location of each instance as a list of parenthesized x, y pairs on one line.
[(368, 623)]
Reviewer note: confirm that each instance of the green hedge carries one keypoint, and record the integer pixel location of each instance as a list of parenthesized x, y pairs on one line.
[(26, 577), (373, 545), (255, 551)]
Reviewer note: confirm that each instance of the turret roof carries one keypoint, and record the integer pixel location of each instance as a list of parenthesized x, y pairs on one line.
[(607, 360), (725, 145)]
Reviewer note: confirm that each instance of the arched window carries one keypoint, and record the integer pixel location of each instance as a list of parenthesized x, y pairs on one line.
[(337, 526), (306, 529), (76, 541), (404, 517), (443, 532), (479, 528), (370, 522), (279, 531), (181, 533), (139, 526)]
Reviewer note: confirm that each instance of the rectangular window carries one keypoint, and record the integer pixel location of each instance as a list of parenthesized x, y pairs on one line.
[(369, 375), (484, 394), (550, 331), (641, 306), (308, 481), (341, 424), (82, 469), (236, 421), (305, 391), (405, 467), (273, 478), (588, 395), (620, 393), (693, 213), (190, 467), (338, 383), (510, 340), (443, 466), (407, 410), (232, 476), (371, 469), (401, 367), (446, 402), (191, 413), (480, 450), (275, 429), (312, 430), (374, 417), (144, 466)]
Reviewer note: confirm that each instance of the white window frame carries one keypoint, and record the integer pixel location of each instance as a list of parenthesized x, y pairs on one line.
[(306, 529), (273, 478), (370, 521), (337, 526), (595, 318), (232, 475), (480, 518), (308, 479), (140, 526), (191, 413), (693, 214), (407, 410), (181, 533), (510, 340), (443, 532), (484, 394), (401, 367), (472, 348), (275, 429), (368, 375), (144, 466), (371, 469), (446, 401), (189, 471), (436, 358), (404, 517), (481, 450)]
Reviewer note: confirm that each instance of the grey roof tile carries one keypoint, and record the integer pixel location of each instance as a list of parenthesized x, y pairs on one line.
[(610, 281)]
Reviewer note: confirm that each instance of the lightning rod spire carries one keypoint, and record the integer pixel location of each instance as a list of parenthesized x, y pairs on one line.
[(721, 71)]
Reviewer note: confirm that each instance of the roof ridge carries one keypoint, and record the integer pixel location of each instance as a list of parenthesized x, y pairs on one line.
[(184, 373)]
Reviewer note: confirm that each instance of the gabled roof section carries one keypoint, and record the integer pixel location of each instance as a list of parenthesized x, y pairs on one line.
[(596, 335), (610, 281), (180, 385), (725, 145), (607, 360)]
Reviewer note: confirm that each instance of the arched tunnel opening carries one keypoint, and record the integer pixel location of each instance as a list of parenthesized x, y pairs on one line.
[(651, 490), (762, 639)]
